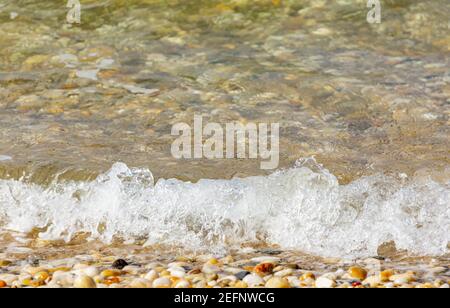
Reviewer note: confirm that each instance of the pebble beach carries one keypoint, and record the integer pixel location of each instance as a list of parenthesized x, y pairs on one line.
[(243, 268)]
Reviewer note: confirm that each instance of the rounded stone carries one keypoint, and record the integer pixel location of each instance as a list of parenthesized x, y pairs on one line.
[(163, 282), (84, 282), (357, 273), (277, 283), (325, 283)]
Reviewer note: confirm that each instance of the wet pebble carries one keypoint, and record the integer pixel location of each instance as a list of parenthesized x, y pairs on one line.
[(119, 264)]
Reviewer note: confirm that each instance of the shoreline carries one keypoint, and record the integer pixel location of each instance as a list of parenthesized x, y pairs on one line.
[(99, 267)]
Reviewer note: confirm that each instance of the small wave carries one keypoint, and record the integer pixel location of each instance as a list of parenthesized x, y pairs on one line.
[(296, 208)]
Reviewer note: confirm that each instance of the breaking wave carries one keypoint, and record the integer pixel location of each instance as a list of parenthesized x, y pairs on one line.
[(297, 209)]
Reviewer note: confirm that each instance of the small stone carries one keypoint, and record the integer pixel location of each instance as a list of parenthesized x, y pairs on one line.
[(8, 278), (140, 283), (41, 276), (177, 273), (278, 283), (240, 285), (372, 281), (63, 279), (131, 270), (284, 273), (84, 282), (307, 276), (119, 264), (425, 286), (357, 273), (385, 275), (210, 269), (152, 275), (90, 271), (242, 275), (266, 259), (4, 263), (110, 273), (33, 270), (195, 271), (325, 283), (403, 278), (182, 284), (2, 284), (212, 283), (253, 280), (213, 261), (111, 280), (162, 283), (264, 268)]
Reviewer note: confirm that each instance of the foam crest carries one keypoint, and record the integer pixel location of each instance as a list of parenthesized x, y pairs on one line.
[(297, 209)]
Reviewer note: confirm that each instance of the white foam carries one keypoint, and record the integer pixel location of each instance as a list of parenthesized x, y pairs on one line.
[(297, 208), (5, 157)]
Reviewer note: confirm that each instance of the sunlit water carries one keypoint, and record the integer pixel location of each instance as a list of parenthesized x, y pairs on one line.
[(370, 102)]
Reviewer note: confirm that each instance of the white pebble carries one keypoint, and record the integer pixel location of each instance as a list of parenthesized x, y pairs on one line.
[(84, 282), (210, 269), (266, 259), (253, 280), (325, 282), (140, 283), (152, 275), (182, 284), (161, 283), (284, 273)]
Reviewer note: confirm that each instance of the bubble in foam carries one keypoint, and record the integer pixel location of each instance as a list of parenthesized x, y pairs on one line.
[(303, 208)]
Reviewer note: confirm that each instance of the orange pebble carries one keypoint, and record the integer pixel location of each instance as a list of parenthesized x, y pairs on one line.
[(2, 284), (112, 280), (264, 268)]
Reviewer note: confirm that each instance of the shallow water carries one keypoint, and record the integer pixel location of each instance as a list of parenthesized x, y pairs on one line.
[(369, 102)]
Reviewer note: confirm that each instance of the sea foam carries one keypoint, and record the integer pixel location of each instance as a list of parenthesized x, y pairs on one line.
[(296, 208)]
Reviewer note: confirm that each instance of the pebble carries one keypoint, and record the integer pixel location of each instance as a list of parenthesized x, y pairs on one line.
[(357, 273), (210, 269), (163, 282), (110, 273), (3, 284), (284, 273), (253, 280), (278, 283), (152, 275), (325, 283), (8, 278), (240, 285), (402, 278), (119, 264), (90, 271), (140, 283), (264, 268), (266, 259), (242, 275), (386, 275), (4, 263), (62, 279), (182, 284), (372, 281), (84, 282)]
